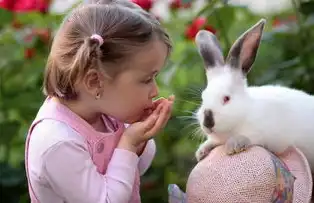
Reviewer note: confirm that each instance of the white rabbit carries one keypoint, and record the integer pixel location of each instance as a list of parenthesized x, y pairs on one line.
[(236, 115)]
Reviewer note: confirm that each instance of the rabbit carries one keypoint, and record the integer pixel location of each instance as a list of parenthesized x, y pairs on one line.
[(237, 115)]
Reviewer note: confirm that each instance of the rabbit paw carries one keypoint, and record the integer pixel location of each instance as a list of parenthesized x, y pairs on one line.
[(204, 149), (237, 144)]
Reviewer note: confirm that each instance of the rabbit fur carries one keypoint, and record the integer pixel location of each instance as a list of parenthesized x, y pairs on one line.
[(238, 115)]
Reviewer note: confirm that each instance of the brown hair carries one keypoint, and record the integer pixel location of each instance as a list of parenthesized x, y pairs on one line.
[(122, 24)]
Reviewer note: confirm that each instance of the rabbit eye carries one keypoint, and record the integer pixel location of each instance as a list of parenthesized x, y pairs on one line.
[(226, 99)]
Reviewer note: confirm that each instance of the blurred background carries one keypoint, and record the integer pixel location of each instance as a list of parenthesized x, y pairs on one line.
[(28, 26)]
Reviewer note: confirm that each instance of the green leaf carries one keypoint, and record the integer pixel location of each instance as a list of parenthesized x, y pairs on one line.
[(307, 8), (9, 176), (208, 8), (8, 129), (5, 16), (222, 18)]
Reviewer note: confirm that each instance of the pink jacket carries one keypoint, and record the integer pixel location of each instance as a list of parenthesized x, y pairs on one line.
[(68, 161)]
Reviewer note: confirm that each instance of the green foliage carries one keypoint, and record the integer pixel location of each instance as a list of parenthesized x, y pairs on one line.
[(284, 57)]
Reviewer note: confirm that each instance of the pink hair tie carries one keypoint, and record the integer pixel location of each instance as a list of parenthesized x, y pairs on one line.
[(99, 38)]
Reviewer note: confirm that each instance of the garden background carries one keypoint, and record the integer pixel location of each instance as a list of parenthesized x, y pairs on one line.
[(26, 29)]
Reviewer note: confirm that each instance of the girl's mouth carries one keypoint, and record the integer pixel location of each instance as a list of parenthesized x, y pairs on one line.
[(146, 112)]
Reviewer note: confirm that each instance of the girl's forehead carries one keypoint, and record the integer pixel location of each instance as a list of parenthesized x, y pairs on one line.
[(150, 58)]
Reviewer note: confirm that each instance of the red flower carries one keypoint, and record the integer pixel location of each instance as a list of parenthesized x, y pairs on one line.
[(7, 4), (276, 22), (25, 5), (145, 4), (176, 4), (198, 24), (283, 21), (29, 53)]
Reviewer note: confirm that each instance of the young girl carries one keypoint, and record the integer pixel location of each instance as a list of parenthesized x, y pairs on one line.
[(100, 76)]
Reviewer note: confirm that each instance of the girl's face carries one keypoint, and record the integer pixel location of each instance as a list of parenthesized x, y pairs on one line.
[(131, 93)]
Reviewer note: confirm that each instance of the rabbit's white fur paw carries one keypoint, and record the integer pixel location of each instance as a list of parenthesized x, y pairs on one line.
[(237, 144), (204, 149)]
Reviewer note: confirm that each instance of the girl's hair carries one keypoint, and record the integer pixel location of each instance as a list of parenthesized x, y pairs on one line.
[(123, 25)]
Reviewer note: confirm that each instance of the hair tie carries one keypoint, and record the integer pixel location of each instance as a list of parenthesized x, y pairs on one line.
[(98, 38)]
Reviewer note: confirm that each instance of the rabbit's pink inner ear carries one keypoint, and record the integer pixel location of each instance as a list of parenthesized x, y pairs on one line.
[(249, 50), (243, 52)]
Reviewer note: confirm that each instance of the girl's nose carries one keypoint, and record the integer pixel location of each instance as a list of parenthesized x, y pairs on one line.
[(154, 91)]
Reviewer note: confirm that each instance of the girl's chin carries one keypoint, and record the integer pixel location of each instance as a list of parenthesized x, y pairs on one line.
[(140, 116), (133, 119)]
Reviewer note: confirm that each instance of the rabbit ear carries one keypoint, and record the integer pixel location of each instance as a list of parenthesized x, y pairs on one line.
[(243, 52), (209, 48)]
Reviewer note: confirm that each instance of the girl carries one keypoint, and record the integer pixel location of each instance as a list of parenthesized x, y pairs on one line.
[(100, 75)]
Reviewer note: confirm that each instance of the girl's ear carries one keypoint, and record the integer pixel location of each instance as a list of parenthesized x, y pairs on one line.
[(243, 52), (209, 49), (93, 80)]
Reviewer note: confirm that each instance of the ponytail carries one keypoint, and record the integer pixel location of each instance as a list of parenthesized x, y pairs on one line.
[(61, 82)]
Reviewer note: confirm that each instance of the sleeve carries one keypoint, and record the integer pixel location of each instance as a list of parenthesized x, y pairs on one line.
[(147, 156), (72, 174)]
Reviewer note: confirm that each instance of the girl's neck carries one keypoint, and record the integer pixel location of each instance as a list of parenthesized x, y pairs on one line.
[(87, 113), (81, 110)]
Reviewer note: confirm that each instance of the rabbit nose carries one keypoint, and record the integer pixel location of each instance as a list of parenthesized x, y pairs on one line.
[(208, 119)]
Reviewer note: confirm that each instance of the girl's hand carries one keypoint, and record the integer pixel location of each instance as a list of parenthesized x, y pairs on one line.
[(142, 131), (140, 148)]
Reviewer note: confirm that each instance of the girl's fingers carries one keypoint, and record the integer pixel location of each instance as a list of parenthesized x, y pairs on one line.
[(168, 115), (162, 99), (163, 109), (155, 105), (146, 114), (157, 110), (169, 112), (171, 98), (150, 121), (158, 102), (160, 121)]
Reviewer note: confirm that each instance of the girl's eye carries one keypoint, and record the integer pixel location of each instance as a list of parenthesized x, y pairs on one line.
[(226, 99), (148, 81), (151, 79)]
